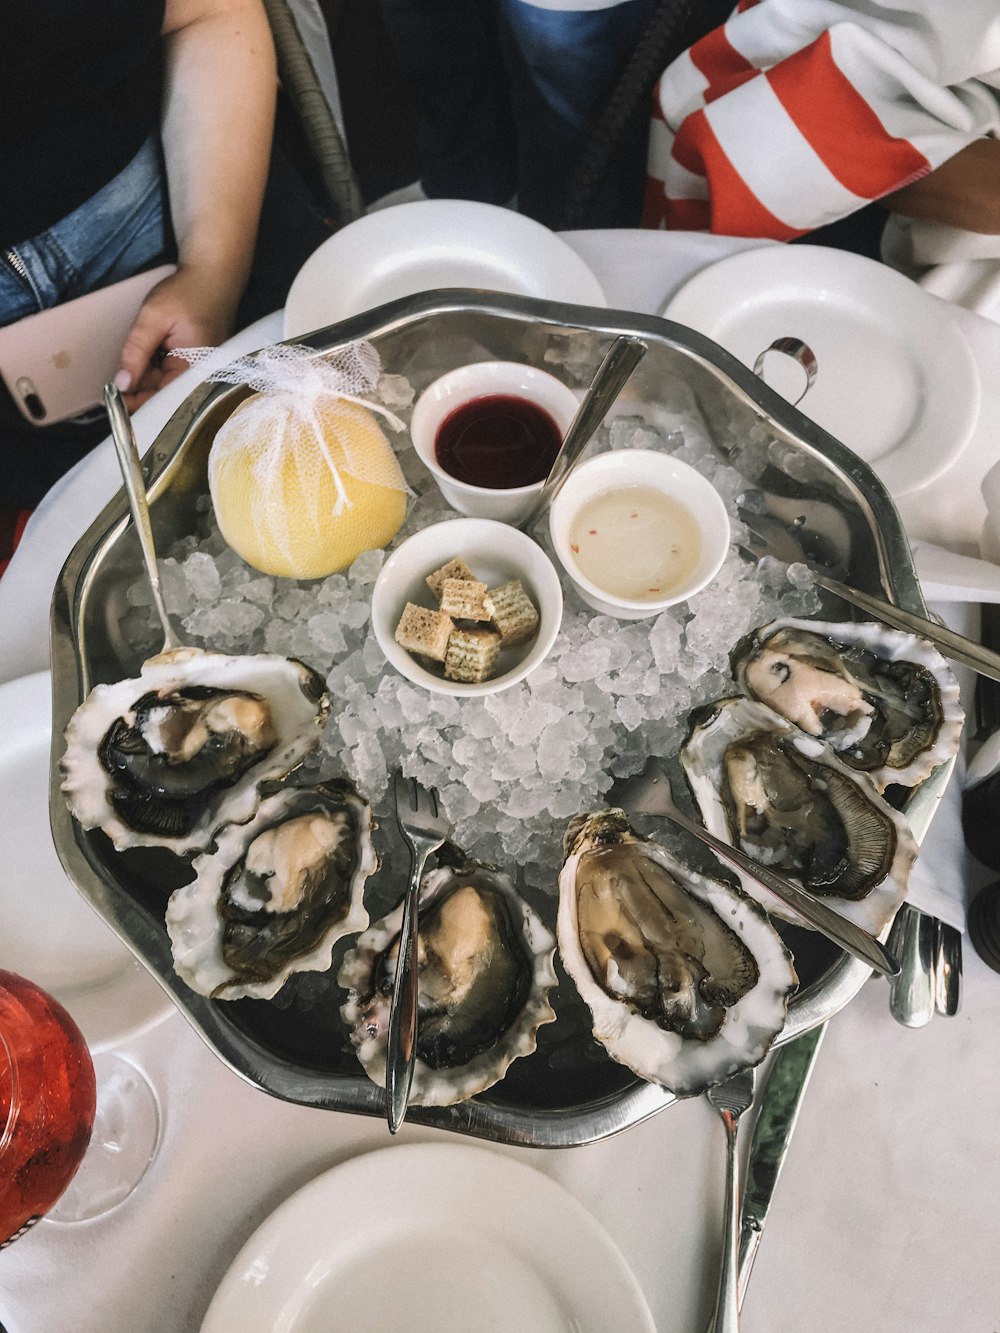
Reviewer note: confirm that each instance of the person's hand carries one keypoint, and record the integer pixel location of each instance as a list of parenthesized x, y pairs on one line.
[(191, 308), (963, 192)]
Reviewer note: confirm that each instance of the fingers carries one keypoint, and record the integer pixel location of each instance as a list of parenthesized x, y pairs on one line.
[(184, 310), (161, 371), (145, 339)]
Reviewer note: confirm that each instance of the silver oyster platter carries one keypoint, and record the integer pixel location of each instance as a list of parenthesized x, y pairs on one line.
[(827, 502)]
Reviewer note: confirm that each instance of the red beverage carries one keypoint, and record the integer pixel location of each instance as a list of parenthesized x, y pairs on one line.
[(499, 442), (47, 1102)]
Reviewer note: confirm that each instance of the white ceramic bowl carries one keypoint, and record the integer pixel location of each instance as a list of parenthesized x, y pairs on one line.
[(641, 467), (496, 553), (484, 379)]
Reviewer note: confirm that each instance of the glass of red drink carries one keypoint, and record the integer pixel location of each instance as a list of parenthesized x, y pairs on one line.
[(47, 1103)]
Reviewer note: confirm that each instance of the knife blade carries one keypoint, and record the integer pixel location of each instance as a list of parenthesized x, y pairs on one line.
[(772, 1132)]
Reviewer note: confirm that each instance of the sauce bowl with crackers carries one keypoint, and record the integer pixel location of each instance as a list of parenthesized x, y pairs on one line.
[(467, 607)]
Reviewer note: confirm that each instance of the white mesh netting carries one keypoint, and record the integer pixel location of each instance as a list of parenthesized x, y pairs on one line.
[(310, 406)]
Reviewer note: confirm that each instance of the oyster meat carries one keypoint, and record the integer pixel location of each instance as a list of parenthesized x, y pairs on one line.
[(789, 802), (275, 894), (484, 970), (167, 758), (886, 701), (685, 977)]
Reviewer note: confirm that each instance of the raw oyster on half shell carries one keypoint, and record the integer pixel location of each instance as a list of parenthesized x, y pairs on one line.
[(275, 894), (886, 701), (787, 801), (484, 970), (168, 757), (685, 977)]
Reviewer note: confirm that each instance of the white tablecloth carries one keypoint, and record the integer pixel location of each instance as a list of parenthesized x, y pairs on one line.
[(886, 1216)]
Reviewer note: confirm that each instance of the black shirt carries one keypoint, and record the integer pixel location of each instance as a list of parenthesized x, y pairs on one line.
[(80, 89)]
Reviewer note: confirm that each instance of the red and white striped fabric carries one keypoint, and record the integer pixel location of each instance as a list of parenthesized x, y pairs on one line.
[(797, 112)]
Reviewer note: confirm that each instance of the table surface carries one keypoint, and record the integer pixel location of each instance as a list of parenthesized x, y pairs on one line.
[(886, 1214)]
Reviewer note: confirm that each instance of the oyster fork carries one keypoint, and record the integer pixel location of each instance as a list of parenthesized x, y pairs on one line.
[(423, 828), (731, 1099), (649, 794)]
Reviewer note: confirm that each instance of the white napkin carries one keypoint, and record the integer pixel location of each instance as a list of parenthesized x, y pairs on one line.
[(990, 539), (960, 266), (939, 881), (936, 243), (972, 283), (946, 576)]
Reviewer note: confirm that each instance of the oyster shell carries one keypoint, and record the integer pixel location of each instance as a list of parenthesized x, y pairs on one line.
[(886, 701), (789, 802), (485, 967), (275, 894), (168, 757), (685, 977)]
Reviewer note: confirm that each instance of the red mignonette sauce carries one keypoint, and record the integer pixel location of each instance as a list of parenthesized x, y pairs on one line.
[(499, 442)]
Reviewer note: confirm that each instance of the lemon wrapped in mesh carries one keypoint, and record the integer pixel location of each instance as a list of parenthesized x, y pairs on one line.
[(302, 475)]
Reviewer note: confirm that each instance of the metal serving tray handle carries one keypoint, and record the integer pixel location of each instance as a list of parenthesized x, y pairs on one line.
[(535, 1104)]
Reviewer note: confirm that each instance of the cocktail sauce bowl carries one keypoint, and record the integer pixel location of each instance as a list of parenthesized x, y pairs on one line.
[(652, 470), (482, 380)]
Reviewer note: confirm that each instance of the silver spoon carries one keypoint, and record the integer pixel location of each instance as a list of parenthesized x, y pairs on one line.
[(135, 486), (622, 357)]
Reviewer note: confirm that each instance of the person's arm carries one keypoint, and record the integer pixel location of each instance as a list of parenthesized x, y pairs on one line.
[(795, 113), (217, 123), (962, 192)]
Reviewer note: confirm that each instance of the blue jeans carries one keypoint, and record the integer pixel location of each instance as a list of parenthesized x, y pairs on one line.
[(563, 66), (507, 94), (118, 231)]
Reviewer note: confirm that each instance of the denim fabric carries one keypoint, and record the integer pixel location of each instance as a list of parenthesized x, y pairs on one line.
[(508, 93), (563, 66), (117, 232)]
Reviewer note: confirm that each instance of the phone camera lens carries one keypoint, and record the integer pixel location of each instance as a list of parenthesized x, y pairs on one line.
[(29, 397)]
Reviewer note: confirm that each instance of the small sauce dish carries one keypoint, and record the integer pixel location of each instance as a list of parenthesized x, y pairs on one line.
[(496, 554), (488, 434), (637, 531)]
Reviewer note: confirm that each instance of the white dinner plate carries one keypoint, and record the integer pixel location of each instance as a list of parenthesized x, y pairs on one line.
[(430, 1238), (50, 934), (434, 243), (897, 382)]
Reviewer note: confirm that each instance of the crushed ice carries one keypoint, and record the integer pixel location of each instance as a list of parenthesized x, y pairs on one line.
[(513, 767)]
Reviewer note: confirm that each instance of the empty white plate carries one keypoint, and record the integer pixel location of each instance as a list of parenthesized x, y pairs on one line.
[(430, 1238), (434, 243), (897, 382)]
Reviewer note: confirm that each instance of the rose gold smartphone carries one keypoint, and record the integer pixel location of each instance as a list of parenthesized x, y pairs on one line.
[(55, 364)]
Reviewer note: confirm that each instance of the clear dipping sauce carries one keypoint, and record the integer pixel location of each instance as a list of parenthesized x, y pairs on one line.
[(635, 542)]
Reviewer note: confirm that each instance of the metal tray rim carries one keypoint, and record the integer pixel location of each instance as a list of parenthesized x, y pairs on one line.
[(70, 683)]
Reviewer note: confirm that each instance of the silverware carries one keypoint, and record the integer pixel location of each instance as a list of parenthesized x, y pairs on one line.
[(424, 829), (649, 794), (731, 1099), (779, 1105), (135, 487), (912, 941), (960, 649), (947, 969), (621, 359)]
